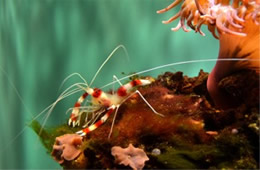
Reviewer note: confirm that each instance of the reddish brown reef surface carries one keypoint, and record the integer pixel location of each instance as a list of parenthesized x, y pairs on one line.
[(192, 133)]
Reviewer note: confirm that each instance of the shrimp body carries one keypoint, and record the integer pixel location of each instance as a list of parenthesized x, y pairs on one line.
[(104, 101)]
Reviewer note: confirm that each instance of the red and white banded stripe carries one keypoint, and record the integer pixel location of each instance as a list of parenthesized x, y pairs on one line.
[(109, 101), (75, 112), (126, 89), (85, 131)]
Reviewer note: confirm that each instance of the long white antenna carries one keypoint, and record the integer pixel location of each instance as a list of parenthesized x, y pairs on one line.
[(110, 55), (71, 75), (179, 63)]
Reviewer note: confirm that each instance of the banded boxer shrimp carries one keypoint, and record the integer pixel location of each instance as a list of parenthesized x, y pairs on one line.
[(101, 102), (105, 103), (83, 85)]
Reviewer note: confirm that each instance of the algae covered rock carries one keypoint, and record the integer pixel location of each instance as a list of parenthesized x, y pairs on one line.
[(192, 134)]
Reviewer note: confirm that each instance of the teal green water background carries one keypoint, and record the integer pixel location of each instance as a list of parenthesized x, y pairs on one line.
[(43, 41)]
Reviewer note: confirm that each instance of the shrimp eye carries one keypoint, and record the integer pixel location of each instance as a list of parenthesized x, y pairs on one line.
[(97, 92)]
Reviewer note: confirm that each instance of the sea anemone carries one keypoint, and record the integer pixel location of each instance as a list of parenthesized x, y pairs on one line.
[(216, 14), (237, 25)]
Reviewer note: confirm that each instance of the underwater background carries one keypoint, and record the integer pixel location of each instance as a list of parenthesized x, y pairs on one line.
[(44, 41)]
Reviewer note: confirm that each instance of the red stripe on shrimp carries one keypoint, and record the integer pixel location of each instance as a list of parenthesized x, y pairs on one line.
[(75, 111), (85, 95), (73, 117), (85, 131), (80, 100), (97, 93), (136, 83), (100, 122), (121, 91), (77, 104)]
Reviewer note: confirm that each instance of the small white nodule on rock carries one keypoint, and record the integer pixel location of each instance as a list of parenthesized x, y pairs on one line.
[(156, 151), (134, 157), (234, 131)]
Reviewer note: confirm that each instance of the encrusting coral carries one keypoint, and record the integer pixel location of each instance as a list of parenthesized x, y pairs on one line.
[(134, 157), (66, 147)]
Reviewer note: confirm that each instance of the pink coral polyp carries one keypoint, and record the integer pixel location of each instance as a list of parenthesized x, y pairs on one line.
[(66, 147), (130, 156)]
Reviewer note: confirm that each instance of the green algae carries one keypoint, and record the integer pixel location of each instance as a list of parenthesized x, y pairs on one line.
[(173, 158), (227, 151), (189, 158), (47, 135), (44, 136)]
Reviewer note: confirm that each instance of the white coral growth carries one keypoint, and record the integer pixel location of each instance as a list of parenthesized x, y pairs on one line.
[(134, 157)]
